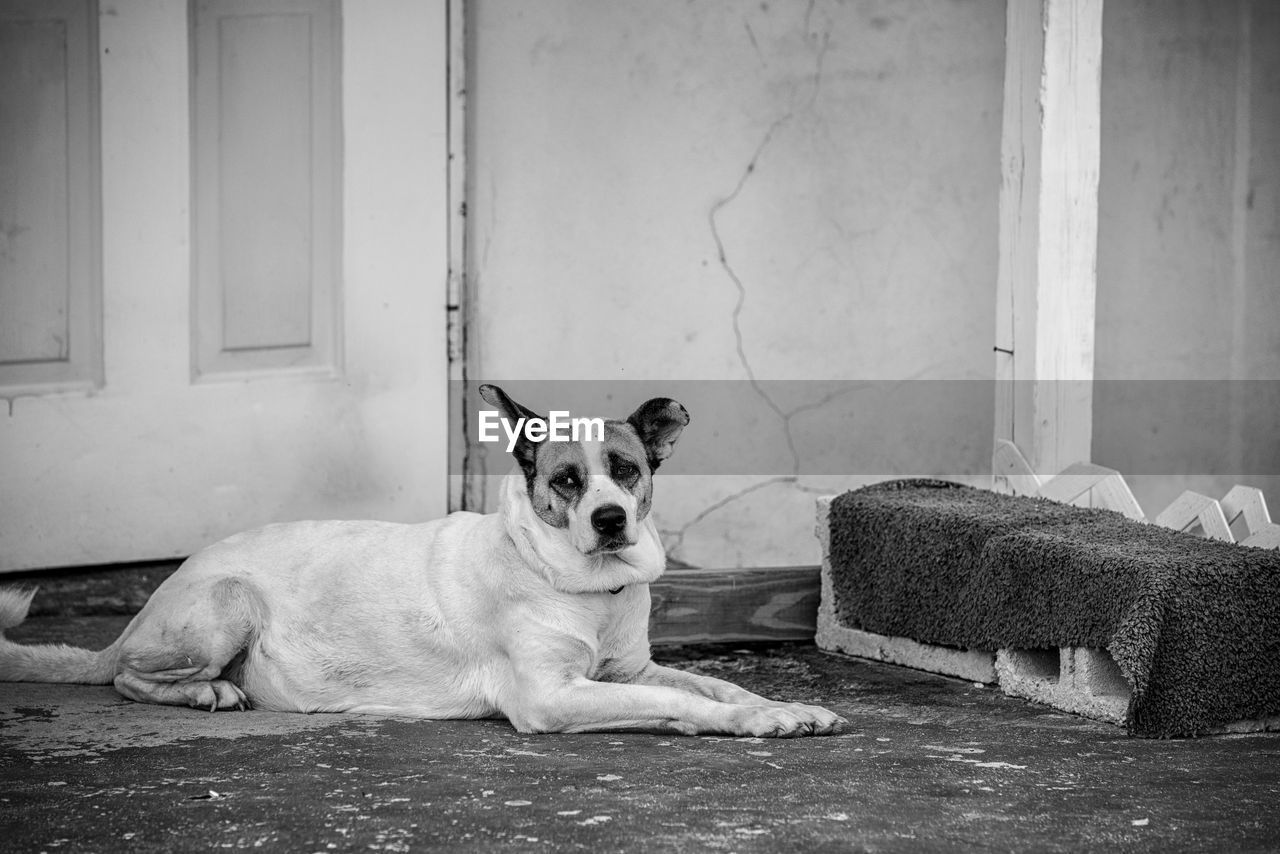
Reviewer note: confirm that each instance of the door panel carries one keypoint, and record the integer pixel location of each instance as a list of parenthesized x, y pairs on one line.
[(266, 126), (226, 400), (49, 277)]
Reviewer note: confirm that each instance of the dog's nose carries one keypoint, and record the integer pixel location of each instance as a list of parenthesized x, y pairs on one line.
[(609, 519)]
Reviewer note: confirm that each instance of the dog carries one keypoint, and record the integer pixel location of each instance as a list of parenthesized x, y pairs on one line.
[(537, 613)]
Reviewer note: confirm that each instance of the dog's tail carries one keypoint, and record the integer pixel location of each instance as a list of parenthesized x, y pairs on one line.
[(46, 662)]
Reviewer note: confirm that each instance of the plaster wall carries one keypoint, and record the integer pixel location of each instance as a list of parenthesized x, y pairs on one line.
[(752, 195), (727, 192), (1189, 247)]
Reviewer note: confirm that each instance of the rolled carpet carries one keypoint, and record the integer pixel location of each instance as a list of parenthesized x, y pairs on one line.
[(1193, 624)]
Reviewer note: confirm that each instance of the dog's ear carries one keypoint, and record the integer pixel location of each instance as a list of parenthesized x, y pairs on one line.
[(659, 422), (524, 450)]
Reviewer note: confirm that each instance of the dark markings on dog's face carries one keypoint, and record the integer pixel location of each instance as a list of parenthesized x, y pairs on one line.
[(557, 480), (568, 481), (627, 463), (561, 473)]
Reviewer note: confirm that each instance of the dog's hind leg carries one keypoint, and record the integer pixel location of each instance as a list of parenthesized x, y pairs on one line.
[(178, 648)]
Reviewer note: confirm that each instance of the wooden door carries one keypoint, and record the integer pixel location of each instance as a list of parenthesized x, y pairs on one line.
[(223, 270)]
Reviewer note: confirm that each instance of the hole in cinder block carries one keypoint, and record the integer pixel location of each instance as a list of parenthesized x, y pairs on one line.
[(1103, 677), (1042, 664)]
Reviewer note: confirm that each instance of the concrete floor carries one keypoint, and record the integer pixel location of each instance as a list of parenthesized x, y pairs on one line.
[(927, 763)]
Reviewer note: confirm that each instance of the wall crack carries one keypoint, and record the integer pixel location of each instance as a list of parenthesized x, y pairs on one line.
[(784, 416), (673, 539)]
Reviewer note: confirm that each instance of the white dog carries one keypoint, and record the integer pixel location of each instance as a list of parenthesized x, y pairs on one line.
[(537, 613)]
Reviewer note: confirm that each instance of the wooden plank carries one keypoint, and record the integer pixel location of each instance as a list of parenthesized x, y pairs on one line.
[(1183, 512), (1074, 481), (1046, 278), (1242, 200), (1011, 470), (1113, 493), (1067, 257), (1192, 508), (1250, 501), (1267, 537), (1019, 214), (1214, 524), (1098, 485), (463, 491), (735, 605)]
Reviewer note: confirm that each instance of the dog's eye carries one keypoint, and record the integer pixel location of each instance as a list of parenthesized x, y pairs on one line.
[(566, 480), (625, 470)]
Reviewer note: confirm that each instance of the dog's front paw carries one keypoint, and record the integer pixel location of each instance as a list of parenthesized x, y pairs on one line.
[(787, 721), (821, 721)]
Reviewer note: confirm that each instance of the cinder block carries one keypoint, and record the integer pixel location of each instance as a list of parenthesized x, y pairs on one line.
[(1096, 674), (1086, 682), (1082, 681), (968, 664), (1271, 724), (1079, 680), (1041, 667)]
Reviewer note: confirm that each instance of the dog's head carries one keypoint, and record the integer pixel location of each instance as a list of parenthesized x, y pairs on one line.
[(594, 489)]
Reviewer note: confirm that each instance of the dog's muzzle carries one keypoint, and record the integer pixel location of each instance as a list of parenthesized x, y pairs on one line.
[(610, 524), (609, 521)]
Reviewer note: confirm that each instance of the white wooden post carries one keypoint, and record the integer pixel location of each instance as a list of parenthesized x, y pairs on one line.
[(461, 493), (1048, 232)]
